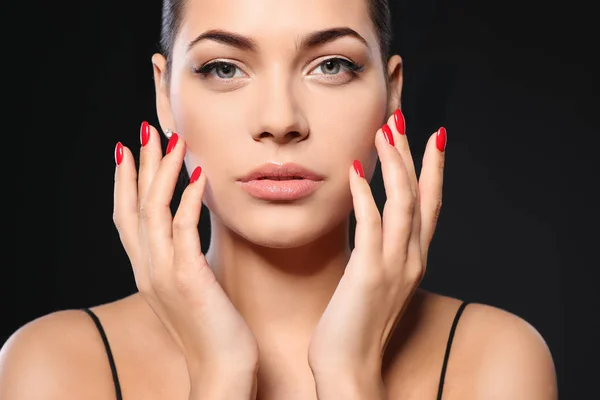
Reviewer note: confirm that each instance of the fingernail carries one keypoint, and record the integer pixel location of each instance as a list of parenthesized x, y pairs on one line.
[(387, 133), (400, 122), (172, 142), (440, 139), (119, 153), (358, 168), (196, 175), (144, 133)]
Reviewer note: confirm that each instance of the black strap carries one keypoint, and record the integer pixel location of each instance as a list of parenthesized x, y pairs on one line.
[(448, 346), (111, 360), (113, 367)]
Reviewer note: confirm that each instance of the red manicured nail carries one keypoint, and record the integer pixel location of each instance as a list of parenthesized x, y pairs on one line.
[(387, 133), (195, 175), (172, 142), (144, 133), (119, 153), (400, 122), (358, 168), (440, 139)]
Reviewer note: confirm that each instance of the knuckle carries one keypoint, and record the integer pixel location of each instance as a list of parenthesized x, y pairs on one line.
[(415, 273), (126, 234), (406, 202), (410, 205), (146, 210), (372, 221), (179, 223), (117, 220)]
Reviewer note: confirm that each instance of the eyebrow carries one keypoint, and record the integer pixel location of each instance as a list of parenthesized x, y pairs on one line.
[(309, 41)]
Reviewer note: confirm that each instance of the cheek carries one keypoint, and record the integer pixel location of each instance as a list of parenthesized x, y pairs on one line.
[(346, 120), (197, 114), (209, 125)]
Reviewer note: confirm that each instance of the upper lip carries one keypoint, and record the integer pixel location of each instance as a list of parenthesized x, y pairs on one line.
[(281, 171)]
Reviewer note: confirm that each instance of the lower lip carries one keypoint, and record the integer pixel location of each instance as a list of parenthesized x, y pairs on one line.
[(288, 190)]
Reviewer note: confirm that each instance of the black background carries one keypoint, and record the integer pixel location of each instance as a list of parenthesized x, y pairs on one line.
[(513, 83)]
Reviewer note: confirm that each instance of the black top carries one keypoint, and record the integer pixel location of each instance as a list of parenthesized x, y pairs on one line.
[(113, 367)]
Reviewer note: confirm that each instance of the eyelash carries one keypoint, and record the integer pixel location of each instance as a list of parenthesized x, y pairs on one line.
[(353, 68)]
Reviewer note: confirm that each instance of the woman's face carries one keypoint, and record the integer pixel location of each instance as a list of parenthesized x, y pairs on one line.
[(275, 99)]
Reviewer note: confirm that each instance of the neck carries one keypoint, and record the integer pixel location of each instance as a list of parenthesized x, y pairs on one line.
[(278, 290)]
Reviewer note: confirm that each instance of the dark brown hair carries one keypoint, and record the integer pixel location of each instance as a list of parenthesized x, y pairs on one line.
[(172, 14)]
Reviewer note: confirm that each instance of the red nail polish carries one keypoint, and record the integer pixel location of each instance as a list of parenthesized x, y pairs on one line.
[(358, 168), (172, 142), (119, 153), (440, 139), (387, 133), (196, 175), (400, 122), (144, 133)]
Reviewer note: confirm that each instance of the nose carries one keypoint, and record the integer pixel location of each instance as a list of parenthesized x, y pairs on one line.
[(280, 116)]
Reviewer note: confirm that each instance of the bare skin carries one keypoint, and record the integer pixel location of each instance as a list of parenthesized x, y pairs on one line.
[(279, 276), (493, 352)]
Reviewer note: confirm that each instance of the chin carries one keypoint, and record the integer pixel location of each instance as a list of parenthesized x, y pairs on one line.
[(282, 226), (285, 227)]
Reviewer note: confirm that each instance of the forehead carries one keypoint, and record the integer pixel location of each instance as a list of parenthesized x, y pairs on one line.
[(272, 20)]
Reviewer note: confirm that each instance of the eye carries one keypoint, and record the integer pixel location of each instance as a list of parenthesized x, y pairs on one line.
[(223, 70), (333, 66)]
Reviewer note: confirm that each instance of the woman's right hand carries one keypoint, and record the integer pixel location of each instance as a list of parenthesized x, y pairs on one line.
[(172, 273)]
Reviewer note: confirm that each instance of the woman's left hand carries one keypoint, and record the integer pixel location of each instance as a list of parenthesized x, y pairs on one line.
[(385, 268)]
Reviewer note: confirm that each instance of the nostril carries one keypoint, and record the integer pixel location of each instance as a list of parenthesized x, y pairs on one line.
[(291, 135)]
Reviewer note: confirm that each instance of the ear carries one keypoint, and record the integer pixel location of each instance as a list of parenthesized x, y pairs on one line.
[(394, 83), (161, 86)]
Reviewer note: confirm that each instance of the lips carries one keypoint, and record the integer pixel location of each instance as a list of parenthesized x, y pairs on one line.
[(281, 182), (281, 172)]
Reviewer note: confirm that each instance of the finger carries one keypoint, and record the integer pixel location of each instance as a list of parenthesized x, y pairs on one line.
[(397, 125), (398, 212), (430, 186), (156, 208), (125, 211), (368, 220), (150, 157), (187, 249)]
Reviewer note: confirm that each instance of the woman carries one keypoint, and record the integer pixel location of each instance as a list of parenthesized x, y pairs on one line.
[(278, 111)]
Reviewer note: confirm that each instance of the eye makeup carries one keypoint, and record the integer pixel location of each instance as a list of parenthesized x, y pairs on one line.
[(333, 69)]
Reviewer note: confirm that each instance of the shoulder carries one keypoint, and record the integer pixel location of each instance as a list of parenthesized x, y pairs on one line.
[(51, 356), (497, 353), (62, 356), (493, 353)]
